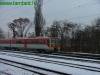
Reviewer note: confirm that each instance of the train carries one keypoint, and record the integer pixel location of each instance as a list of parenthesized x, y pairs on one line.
[(38, 44)]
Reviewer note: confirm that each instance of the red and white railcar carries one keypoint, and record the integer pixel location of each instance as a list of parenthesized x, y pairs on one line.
[(36, 43)]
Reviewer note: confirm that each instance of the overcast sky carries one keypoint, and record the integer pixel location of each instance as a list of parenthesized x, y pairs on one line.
[(79, 11)]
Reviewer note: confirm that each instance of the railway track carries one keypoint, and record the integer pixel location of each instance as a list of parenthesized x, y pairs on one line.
[(34, 69), (69, 56), (80, 55), (63, 63)]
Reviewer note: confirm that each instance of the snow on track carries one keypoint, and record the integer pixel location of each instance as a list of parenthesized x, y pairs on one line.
[(10, 70), (60, 68), (60, 60)]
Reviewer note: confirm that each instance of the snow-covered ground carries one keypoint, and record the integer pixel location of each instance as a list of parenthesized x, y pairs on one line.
[(61, 60), (10, 70), (56, 67)]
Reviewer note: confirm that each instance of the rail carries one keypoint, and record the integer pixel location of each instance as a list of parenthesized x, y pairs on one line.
[(71, 56), (31, 68), (90, 68)]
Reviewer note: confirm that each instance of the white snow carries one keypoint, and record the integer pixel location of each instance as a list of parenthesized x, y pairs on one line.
[(62, 60), (65, 69), (10, 70)]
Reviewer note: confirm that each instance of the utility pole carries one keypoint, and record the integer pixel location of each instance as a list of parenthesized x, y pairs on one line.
[(38, 20)]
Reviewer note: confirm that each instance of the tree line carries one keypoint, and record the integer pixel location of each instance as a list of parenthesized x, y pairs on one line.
[(74, 38)]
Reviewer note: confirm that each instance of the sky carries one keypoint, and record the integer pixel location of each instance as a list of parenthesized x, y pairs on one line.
[(78, 11)]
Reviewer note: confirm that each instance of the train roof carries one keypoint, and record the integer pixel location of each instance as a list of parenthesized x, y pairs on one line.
[(30, 38)]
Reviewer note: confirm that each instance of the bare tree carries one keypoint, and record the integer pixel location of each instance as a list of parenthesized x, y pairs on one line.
[(65, 30), (21, 25), (12, 27), (28, 28), (55, 29)]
